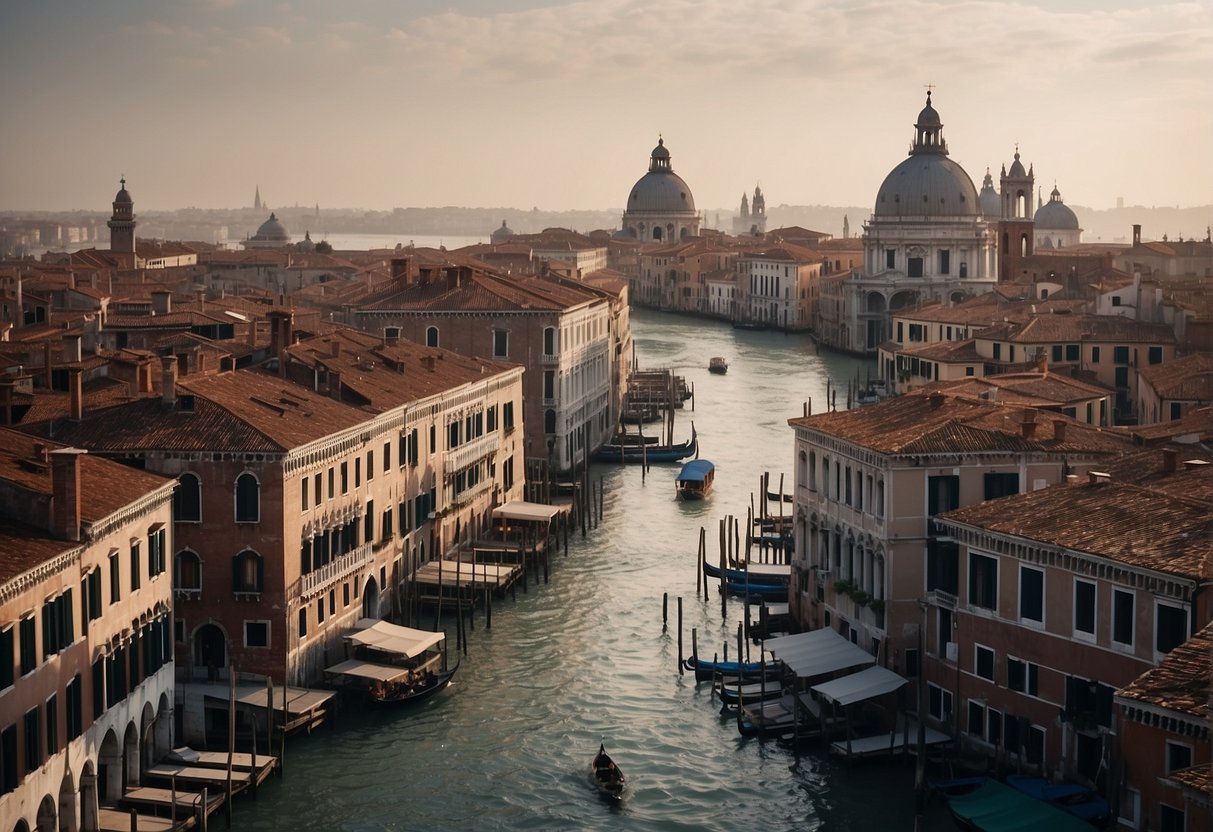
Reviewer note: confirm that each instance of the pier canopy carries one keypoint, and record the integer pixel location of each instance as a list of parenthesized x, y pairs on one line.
[(856, 687), (368, 670), (696, 470), (817, 652), (392, 638), (521, 510)]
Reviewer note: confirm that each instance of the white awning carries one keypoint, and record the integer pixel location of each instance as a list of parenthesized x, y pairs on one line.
[(817, 652), (865, 684), (782, 571), (392, 638), (368, 670), (522, 510)]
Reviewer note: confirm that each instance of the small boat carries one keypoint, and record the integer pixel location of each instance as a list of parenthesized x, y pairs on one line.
[(694, 481), (393, 665), (718, 365), (412, 693), (707, 669), (606, 775), (615, 451), (1086, 804), (734, 693), (756, 591), (739, 574)]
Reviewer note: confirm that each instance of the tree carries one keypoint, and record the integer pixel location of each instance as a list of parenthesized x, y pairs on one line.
[(324, 247)]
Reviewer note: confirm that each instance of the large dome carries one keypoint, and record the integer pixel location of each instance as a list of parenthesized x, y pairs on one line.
[(928, 184), (1055, 215), (661, 190), (272, 230)]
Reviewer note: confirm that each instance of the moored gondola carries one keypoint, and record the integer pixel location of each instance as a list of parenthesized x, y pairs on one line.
[(606, 775)]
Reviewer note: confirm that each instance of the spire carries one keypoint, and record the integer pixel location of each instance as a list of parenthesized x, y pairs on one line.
[(928, 131), (257, 206)]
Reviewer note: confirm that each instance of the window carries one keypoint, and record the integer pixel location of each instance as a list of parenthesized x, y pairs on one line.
[(248, 572), (549, 421), (8, 657), (1055, 355), (983, 581), (993, 727), (1179, 757), (431, 336), (387, 456), (1034, 745), (939, 702), (914, 267), (1072, 352), (357, 472), (1031, 595), (890, 258), (997, 351), (977, 719), (8, 759), (507, 416), (945, 261), (370, 465), (1094, 355), (549, 384), (187, 572), (256, 634), (983, 662), (52, 724), (29, 645), (157, 559), (345, 478), (74, 702), (304, 486), (1171, 819), (320, 610), (368, 522), (1120, 355), (1122, 618), (1170, 627), (187, 499), (1023, 676), (248, 499), (943, 566), (57, 624), (115, 578), (135, 576), (345, 594), (1084, 610), (501, 343), (1155, 355), (303, 623), (93, 589), (1001, 485), (33, 741)]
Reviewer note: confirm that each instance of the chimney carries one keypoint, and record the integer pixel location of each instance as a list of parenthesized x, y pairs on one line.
[(1169, 458), (334, 348), (335, 385), (72, 351), (1042, 361), (162, 302), (1136, 234), (168, 384), (452, 277), (1028, 429), (201, 356), (76, 387), (6, 399), (50, 363), (1071, 479), (143, 371), (428, 361), (1098, 478), (1059, 430), (65, 493), (400, 272), (935, 400)]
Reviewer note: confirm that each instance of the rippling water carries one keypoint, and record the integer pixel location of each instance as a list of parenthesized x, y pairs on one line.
[(584, 659)]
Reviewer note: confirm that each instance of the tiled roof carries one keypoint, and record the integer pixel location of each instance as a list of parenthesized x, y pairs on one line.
[(1189, 377), (1052, 329), (1197, 422), (1197, 778), (942, 351), (1143, 527), (482, 291), (789, 252), (1180, 682), (936, 423)]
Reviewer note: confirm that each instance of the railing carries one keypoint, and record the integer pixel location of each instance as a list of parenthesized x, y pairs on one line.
[(546, 358), (469, 452), (940, 598), (335, 569)]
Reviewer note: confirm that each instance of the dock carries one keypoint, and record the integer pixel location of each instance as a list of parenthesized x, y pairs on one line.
[(890, 742)]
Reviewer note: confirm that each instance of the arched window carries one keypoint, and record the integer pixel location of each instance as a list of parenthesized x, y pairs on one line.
[(248, 499), (549, 340), (187, 571), (248, 572), (431, 336), (187, 499), (549, 421)]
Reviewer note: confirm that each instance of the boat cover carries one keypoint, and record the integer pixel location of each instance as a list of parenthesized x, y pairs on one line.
[(522, 510), (856, 687), (696, 470), (392, 638), (817, 652), (995, 807), (368, 670)]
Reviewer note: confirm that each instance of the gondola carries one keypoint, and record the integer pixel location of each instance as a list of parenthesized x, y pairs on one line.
[(706, 669), (606, 775), (1080, 801), (616, 452), (734, 575), (756, 591), (411, 694)]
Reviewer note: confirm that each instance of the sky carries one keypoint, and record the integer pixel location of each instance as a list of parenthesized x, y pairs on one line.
[(379, 104)]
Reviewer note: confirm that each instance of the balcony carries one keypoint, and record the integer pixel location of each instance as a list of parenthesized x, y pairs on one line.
[(469, 452), (315, 581), (549, 359)]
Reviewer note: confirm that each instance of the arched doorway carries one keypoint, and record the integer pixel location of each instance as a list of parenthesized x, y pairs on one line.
[(88, 798), (210, 649), (130, 755), (109, 769), (67, 803), (164, 726), (147, 746), (370, 599), (48, 816), (21, 826)]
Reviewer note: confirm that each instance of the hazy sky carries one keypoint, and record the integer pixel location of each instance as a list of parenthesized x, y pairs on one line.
[(521, 103)]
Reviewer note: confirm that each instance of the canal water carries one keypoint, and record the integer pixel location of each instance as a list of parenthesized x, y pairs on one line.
[(585, 659)]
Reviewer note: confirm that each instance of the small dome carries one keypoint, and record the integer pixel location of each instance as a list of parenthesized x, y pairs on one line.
[(503, 233), (123, 197), (928, 117), (1017, 170), (660, 152), (272, 230), (991, 207), (1055, 215)]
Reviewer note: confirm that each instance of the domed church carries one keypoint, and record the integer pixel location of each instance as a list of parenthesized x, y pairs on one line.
[(1056, 225), (660, 207), (927, 240), (271, 234)]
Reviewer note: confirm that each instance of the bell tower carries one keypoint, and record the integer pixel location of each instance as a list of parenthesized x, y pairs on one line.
[(1015, 225), (122, 223)]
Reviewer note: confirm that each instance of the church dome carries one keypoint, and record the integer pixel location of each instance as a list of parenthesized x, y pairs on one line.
[(991, 206), (123, 197), (272, 231), (501, 234), (1055, 215), (661, 190), (928, 184)]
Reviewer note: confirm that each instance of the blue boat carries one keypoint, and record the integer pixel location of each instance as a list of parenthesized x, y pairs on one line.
[(706, 669), (1079, 801), (755, 590), (694, 481), (739, 575), (616, 452)]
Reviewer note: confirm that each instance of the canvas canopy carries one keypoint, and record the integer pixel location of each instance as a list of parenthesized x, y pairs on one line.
[(995, 807), (696, 470), (817, 652), (368, 670), (856, 687), (392, 638), (522, 510)]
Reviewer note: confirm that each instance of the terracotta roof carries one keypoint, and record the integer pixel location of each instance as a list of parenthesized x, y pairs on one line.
[(912, 424), (1052, 329), (943, 351), (1180, 682), (1145, 527), (1197, 423), (789, 252), (1197, 778), (481, 291), (1189, 377)]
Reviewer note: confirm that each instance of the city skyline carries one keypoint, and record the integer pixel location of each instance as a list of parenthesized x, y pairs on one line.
[(558, 104)]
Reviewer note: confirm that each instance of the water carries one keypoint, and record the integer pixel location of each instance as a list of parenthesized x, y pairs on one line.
[(584, 659)]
